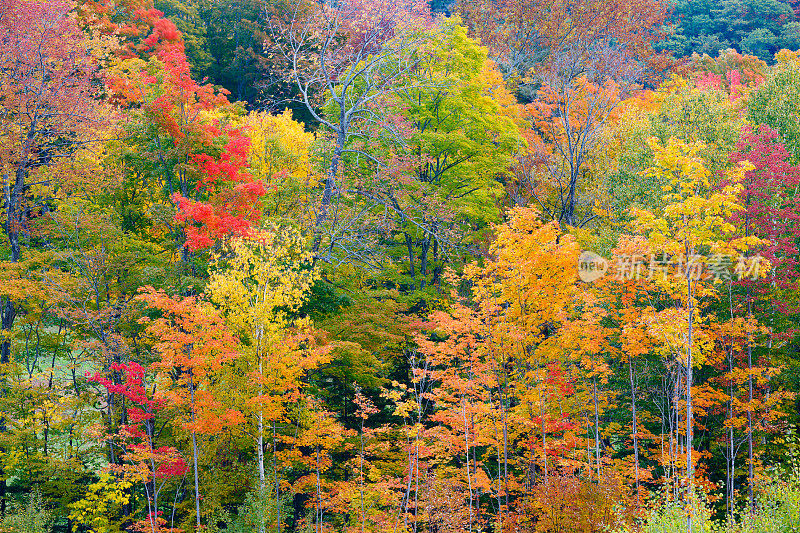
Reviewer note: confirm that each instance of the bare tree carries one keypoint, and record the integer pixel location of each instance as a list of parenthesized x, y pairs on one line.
[(352, 54), (580, 89)]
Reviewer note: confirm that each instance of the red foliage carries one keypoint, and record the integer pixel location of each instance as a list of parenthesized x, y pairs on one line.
[(176, 103), (732, 82), (234, 195), (772, 212), (132, 388), (143, 31), (136, 436)]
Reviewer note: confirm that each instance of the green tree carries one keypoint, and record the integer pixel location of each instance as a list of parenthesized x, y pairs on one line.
[(756, 27), (775, 103), (259, 287), (224, 42), (464, 138)]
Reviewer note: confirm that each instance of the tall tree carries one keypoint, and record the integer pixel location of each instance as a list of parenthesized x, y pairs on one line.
[(772, 213), (353, 53), (48, 112), (259, 288), (192, 343), (693, 222)]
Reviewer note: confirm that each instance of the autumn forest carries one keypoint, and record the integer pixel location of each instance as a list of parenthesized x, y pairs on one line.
[(399, 266)]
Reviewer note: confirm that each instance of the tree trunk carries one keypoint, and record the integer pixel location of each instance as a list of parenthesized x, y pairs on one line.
[(423, 261), (596, 428), (8, 312), (750, 499), (410, 247), (275, 477), (504, 421), (13, 199), (689, 425), (731, 446), (466, 454), (634, 423), (361, 472), (260, 444), (318, 525), (194, 454), (330, 182), (544, 434)]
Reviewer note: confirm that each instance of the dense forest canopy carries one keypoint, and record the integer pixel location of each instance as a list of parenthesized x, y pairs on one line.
[(399, 266)]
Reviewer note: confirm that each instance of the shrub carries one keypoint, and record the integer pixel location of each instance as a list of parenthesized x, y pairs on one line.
[(33, 517)]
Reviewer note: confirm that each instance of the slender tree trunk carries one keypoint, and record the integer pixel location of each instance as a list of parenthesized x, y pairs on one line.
[(418, 398), (416, 479), (673, 446), (544, 434), (634, 423), (361, 472), (466, 449), (318, 525), (750, 499), (596, 428), (152, 500), (275, 478), (262, 482), (407, 496), (194, 454), (730, 460), (499, 475), (689, 424), (330, 181), (504, 420), (731, 445), (589, 439), (502, 460)]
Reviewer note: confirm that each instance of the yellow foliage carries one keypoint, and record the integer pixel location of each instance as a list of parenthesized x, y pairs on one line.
[(280, 157), (258, 285), (695, 218), (102, 501), (278, 143), (785, 56), (265, 277)]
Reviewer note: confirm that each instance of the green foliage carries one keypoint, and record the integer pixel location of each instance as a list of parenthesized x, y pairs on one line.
[(463, 123), (777, 511), (224, 42), (704, 115), (677, 110), (670, 517), (778, 508), (756, 27), (360, 393), (775, 104), (257, 511), (32, 517)]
